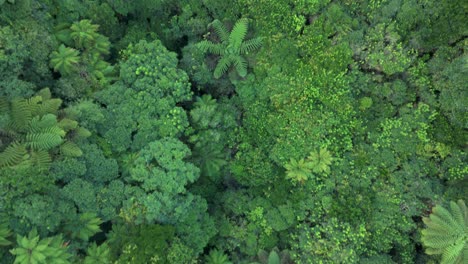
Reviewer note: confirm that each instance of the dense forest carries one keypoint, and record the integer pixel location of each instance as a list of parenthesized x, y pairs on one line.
[(240, 131)]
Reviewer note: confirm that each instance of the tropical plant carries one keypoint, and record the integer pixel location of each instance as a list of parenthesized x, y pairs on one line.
[(273, 257), (447, 233), (321, 160), (83, 33), (31, 249), (4, 233), (97, 254), (231, 48), (298, 170), (84, 227), (33, 129), (217, 257), (64, 60)]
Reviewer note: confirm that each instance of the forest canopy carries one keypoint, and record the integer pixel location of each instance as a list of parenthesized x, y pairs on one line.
[(209, 131)]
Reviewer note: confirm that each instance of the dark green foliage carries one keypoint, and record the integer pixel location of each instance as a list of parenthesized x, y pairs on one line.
[(140, 243), (151, 85), (231, 48), (334, 142)]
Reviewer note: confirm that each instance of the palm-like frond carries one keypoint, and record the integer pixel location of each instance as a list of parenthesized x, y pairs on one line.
[(44, 141), (208, 46), (250, 45), (14, 154), (220, 30), (238, 32), (41, 159), (223, 65), (70, 149), (446, 233), (240, 64)]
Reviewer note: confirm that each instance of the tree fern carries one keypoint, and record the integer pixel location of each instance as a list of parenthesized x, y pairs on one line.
[(32, 249), (231, 48), (446, 233), (84, 33), (298, 170), (97, 254), (33, 129), (217, 257), (64, 60)]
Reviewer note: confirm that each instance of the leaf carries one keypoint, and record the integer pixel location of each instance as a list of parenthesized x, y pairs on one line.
[(238, 32), (220, 30)]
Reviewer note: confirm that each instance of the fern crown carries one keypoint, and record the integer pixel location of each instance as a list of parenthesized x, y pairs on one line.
[(446, 233), (231, 48)]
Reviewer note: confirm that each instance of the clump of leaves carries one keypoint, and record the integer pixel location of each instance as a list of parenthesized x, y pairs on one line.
[(446, 233), (32, 249), (217, 257), (302, 169), (32, 129), (232, 48)]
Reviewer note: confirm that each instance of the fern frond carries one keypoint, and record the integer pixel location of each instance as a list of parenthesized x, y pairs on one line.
[(44, 94), (222, 66), (41, 158), (14, 154), (50, 106), (251, 45), (67, 124), (240, 64), (81, 132), (220, 30), (238, 32), (208, 46), (4, 105), (42, 123), (21, 114), (70, 149), (452, 253), (43, 141), (446, 232), (457, 212)]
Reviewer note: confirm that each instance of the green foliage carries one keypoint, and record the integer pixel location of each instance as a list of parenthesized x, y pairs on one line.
[(84, 227), (231, 48), (446, 232), (65, 60), (86, 58), (273, 257), (4, 234), (217, 257), (151, 85), (97, 254), (301, 170), (31, 249), (140, 243), (33, 130)]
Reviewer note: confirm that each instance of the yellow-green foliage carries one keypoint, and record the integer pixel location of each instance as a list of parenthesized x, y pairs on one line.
[(447, 234)]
